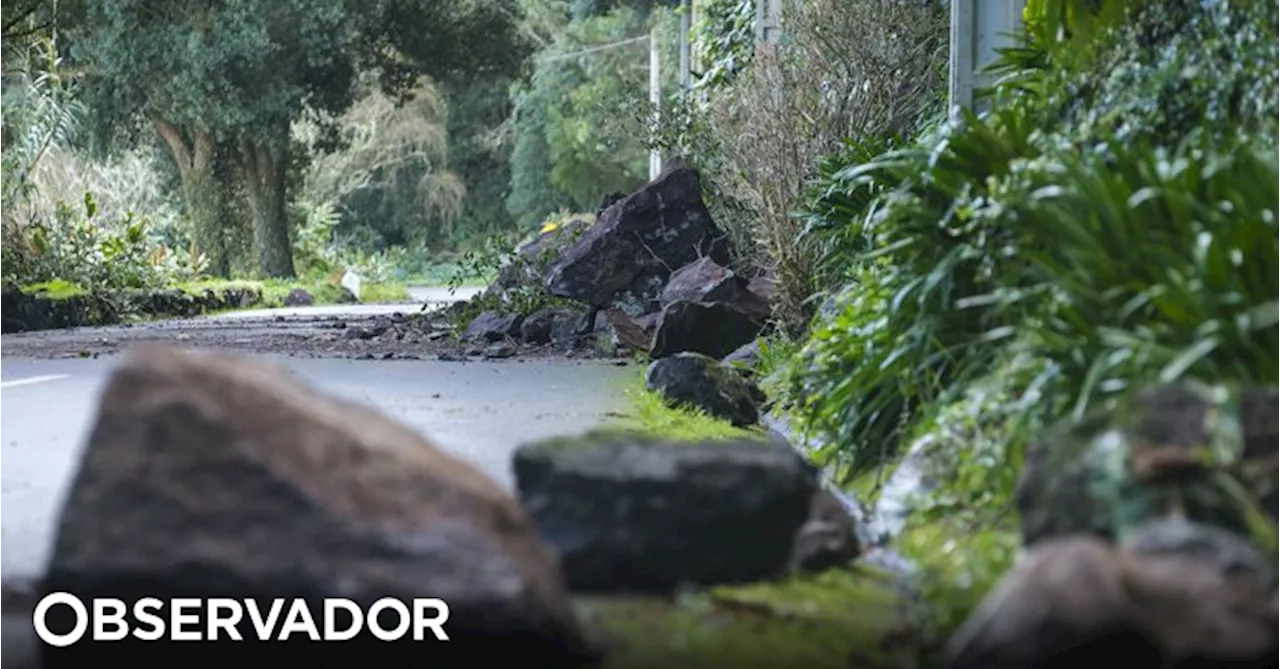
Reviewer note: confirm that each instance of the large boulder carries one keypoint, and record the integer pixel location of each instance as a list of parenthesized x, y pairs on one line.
[(549, 324), (532, 259), (626, 257), (704, 280), (214, 476), (1174, 594), (696, 381), (711, 328), (1170, 448), (632, 514)]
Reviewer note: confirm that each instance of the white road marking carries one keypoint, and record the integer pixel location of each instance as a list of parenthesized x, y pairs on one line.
[(33, 379)]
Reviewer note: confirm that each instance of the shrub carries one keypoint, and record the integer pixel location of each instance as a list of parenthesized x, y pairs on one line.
[(846, 69), (1116, 214)]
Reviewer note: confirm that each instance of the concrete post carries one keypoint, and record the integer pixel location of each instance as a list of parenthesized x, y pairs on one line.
[(978, 29)]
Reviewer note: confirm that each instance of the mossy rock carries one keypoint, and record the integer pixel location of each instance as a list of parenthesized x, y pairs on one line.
[(836, 619), (1208, 454), (48, 307)]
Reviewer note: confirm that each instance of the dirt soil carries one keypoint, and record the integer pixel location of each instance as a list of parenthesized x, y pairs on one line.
[(398, 336)]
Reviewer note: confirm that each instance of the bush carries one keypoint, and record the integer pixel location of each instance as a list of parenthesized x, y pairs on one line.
[(862, 69), (1116, 215)]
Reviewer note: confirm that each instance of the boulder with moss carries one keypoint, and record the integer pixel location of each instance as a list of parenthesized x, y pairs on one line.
[(629, 513), (693, 380), (1208, 453)]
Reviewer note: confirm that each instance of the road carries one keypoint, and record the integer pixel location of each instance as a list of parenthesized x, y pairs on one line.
[(479, 410)]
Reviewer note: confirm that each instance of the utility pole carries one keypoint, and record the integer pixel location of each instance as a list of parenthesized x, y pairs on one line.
[(768, 21), (686, 22), (655, 100), (978, 29)]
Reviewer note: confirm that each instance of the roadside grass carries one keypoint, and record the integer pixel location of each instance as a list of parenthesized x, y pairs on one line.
[(322, 292), (649, 414), (447, 274)]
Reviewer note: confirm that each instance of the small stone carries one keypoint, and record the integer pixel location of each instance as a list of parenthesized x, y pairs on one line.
[(500, 350)]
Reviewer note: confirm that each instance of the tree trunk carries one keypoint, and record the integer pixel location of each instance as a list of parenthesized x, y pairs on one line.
[(201, 193), (264, 168)]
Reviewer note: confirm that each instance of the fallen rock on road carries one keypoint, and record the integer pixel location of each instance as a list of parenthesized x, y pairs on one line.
[(633, 514), (216, 476)]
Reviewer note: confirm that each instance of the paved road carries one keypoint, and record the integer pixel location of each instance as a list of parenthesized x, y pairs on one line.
[(418, 295), (481, 411)]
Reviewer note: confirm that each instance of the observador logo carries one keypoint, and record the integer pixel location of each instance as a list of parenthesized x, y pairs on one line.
[(222, 619)]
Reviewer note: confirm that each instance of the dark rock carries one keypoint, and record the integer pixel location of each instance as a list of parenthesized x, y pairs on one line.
[(451, 356), (608, 201), (766, 287), (627, 332), (500, 350), (539, 327), (532, 259), (630, 514), (565, 327), (215, 476), (705, 281), (492, 326), (24, 312), (626, 257), (1147, 458), (298, 297), (697, 381), (22, 646), (744, 357), (713, 329), (827, 539), (345, 296), (358, 332), (1178, 594)]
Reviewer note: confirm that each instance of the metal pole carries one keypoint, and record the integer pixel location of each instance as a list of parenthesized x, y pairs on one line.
[(655, 99), (686, 18), (979, 28)]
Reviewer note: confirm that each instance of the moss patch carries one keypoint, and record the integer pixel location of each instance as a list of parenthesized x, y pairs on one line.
[(840, 618), (959, 564), (649, 414), (54, 290), (322, 292)]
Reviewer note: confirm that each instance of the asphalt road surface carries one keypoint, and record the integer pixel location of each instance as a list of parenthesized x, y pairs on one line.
[(479, 410)]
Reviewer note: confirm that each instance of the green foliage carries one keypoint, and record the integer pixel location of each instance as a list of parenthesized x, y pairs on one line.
[(649, 414), (570, 148), (724, 38), (1115, 214), (79, 248)]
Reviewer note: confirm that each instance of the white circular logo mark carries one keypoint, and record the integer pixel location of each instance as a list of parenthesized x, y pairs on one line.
[(42, 629)]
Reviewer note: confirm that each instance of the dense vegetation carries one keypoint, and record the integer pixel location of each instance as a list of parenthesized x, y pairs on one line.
[(1111, 222), (306, 139)]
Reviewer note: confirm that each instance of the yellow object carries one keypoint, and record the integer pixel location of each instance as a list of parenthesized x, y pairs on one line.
[(550, 227)]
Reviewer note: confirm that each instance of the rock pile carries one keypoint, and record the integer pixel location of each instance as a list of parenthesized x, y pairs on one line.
[(1151, 534), (211, 476), (650, 276)]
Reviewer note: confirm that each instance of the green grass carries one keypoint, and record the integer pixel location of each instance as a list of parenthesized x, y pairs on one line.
[(442, 274), (322, 292), (649, 414), (838, 618)]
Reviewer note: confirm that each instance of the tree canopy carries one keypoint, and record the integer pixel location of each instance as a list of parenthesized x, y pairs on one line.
[(237, 73)]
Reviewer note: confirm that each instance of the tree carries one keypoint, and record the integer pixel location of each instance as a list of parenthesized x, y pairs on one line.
[(238, 73)]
